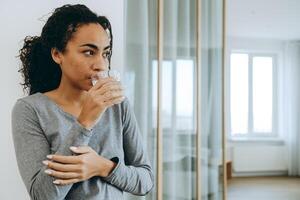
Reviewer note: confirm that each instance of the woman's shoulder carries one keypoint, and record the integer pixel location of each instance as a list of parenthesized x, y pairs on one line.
[(39, 106), (34, 100), (26, 106), (35, 103)]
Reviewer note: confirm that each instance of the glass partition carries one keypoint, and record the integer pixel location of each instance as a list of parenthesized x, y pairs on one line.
[(139, 79), (211, 99), (178, 92)]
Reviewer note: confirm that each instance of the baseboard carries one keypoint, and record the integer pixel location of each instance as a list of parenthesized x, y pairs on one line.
[(265, 173)]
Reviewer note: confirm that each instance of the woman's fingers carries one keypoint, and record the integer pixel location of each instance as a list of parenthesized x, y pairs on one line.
[(61, 167), (62, 175), (66, 182), (71, 159), (114, 101), (110, 95), (110, 86), (109, 91), (101, 82), (81, 150), (89, 164), (64, 159)]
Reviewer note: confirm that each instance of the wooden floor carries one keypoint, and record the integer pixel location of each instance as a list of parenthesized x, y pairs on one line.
[(264, 188)]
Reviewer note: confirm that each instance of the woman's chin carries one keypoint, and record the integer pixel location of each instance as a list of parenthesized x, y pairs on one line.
[(88, 85), (85, 87)]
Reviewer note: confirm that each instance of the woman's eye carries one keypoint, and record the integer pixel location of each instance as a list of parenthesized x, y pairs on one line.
[(106, 54), (88, 53)]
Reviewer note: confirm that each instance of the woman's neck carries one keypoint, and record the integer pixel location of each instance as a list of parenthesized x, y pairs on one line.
[(70, 95)]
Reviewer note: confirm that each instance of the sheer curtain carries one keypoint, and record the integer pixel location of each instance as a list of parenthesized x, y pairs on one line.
[(178, 104), (141, 78), (178, 91), (289, 116), (140, 49), (211, 99)]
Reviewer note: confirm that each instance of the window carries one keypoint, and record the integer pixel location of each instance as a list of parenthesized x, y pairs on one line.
[(252, 95)]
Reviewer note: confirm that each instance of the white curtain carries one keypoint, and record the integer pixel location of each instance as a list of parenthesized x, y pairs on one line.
[(289, 110), (139, 32), (211, 56), (178, 85), (179, 133), (140, 77)]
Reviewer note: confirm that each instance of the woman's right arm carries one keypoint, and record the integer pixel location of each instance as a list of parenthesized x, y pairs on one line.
[(32, 147)]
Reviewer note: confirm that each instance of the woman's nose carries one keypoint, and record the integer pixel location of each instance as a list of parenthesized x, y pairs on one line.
[(100, 64), (97, 67)]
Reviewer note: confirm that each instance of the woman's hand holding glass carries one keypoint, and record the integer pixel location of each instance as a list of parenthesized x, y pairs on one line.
[(73, 169), (105, 93)]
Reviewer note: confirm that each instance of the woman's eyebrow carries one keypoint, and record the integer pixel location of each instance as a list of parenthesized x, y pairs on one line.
[(107, 47), (90, 45), (94, 46)]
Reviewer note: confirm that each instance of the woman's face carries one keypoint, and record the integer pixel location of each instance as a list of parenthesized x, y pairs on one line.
[(86, 53)]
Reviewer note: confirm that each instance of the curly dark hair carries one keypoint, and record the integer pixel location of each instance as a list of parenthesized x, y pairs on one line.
[(39, 71)]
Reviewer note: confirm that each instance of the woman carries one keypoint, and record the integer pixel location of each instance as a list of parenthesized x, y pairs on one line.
[(74, 140)]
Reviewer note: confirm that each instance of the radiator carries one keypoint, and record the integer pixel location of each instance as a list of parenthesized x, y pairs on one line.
[(259, 158)]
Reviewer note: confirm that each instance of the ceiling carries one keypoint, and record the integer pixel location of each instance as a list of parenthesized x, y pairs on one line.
[(265, 19)]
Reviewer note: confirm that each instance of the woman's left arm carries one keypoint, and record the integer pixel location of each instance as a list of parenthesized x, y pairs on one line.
[(135, 175)]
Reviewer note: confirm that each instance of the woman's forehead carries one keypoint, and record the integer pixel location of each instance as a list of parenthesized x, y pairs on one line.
[(91, 34)]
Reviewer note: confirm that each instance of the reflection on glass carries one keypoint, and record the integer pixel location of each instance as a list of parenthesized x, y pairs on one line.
[(262, 94), (239, 93)]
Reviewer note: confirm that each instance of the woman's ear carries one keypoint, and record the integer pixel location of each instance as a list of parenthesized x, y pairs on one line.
[(56, 56)]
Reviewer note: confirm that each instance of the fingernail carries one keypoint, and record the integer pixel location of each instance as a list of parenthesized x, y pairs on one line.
[(56, 182), (45, 162), (49, 156), (48, 171), (73, 148)]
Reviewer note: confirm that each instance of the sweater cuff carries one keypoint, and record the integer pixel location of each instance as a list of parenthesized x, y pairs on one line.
[(83, 130), (115, 172)]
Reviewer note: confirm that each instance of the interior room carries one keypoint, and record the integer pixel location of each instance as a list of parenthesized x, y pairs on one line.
[(213, 86), (262, 51)]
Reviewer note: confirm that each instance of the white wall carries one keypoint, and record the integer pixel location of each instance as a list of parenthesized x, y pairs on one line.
[(277, 19), (17, 20), (255, 157)]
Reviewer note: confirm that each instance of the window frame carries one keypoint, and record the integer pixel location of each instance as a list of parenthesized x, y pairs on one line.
[(251, 134)]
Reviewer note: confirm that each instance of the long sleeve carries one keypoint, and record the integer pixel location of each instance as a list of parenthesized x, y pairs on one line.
[(135, 174), (32, 146)]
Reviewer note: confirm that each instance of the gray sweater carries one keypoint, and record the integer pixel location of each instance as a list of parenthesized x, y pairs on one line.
[(40, 127)]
